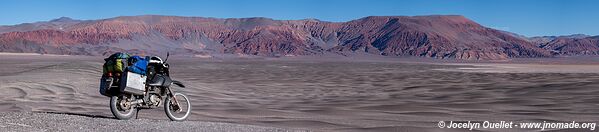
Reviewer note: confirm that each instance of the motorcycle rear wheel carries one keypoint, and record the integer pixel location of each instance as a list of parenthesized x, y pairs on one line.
[(116, 106)]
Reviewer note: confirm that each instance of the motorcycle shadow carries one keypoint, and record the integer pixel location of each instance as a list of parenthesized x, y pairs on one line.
[(80, 114)]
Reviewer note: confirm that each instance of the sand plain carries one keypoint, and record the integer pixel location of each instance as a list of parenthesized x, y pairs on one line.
[(323, 95)]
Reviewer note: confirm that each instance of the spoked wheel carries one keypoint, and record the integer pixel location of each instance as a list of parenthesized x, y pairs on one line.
[(121, 107), (177, 110)]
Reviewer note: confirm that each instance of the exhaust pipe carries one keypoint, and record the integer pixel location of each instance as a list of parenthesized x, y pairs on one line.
[(138, 101)]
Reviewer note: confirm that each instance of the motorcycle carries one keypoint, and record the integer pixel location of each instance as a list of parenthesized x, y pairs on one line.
[(158, 92)]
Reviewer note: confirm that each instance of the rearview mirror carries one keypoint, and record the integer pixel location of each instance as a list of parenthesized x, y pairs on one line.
[(167, 54)]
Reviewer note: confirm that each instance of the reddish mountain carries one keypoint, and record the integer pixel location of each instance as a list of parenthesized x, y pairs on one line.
[(56, 24), (573, 45), (541, 40), (426, 36)]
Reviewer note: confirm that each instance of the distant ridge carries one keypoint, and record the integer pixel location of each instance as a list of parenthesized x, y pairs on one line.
[(436, 36)]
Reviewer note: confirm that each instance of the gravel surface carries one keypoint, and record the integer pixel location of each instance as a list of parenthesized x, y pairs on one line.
[(30, 121)]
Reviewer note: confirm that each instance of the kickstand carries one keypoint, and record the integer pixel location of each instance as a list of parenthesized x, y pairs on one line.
[(136, 113)]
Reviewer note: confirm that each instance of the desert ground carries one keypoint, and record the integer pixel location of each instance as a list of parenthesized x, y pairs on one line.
[(320, 94)]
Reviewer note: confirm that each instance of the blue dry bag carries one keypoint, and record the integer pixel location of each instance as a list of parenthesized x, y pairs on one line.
[(139, 65)]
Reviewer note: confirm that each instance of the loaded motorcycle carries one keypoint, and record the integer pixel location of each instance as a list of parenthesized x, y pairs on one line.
[(154, 90)]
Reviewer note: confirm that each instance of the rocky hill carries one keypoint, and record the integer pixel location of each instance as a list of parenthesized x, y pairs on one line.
[(572, 46), (438, 36)]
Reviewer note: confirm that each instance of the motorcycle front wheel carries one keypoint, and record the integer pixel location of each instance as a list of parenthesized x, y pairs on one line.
[(121, 108), (174, 112)]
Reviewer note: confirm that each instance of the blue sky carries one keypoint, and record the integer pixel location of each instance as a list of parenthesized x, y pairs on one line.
[(526, 17)]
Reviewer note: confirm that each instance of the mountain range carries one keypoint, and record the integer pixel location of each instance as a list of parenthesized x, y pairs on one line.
[(436, 36)]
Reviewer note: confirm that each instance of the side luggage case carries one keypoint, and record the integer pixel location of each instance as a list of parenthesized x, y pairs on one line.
[(106, 86), (133, 83)]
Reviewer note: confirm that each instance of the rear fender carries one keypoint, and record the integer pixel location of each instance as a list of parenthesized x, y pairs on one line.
[(178, 83)]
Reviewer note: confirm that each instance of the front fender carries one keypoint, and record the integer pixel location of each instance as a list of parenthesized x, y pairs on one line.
[(178, 83)]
